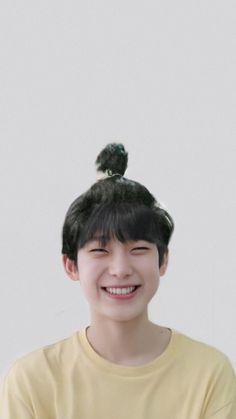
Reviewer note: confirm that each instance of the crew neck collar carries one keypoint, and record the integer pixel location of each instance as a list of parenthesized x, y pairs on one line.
[(117, 369)]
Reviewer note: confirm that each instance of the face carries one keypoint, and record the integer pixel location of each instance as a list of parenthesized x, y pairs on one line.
[(120, 266)]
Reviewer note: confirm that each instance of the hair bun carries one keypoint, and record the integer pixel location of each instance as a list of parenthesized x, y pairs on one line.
[(112, 159)]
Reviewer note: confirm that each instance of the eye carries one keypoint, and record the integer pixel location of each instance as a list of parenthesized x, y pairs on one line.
[(140, 248), (98, 250)]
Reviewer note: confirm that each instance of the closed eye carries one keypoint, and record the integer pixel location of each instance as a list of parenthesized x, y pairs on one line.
[(140, 248), (98, 250)]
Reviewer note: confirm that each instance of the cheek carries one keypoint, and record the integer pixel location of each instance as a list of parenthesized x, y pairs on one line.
[(86, 266), (149, 267), (91, 270), (152, 277), (89, 274)]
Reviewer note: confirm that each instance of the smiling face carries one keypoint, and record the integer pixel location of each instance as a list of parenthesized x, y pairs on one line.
[(117, 265)]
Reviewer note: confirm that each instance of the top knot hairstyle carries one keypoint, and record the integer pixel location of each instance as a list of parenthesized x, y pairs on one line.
[(112, 160), (115, 207)]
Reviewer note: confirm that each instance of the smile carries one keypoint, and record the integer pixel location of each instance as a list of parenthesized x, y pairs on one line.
[(121, 293)]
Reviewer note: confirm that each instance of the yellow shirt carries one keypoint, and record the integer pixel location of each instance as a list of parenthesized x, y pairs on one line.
[(69, 380)]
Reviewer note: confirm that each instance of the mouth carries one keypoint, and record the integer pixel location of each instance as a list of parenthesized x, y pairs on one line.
[(121, 291)]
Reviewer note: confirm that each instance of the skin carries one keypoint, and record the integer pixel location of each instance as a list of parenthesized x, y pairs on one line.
[(120, 330)]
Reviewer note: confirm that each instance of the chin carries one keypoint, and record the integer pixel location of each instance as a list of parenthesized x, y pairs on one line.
[(123, 317)]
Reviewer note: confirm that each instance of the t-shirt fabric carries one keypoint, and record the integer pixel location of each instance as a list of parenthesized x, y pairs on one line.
[(70, 380)]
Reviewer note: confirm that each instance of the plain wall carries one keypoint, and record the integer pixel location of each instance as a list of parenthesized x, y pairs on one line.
[(156, 76)]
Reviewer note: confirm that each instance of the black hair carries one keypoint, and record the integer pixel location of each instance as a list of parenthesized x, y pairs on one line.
[(115, 207)]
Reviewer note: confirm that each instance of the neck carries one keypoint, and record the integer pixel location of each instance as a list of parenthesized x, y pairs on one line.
[(127, 343)]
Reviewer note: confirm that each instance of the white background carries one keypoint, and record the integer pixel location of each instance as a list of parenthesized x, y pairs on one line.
[(157, 76)]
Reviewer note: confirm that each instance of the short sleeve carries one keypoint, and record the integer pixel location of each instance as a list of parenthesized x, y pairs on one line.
[(14, 401), (226, 412), (221, 400)]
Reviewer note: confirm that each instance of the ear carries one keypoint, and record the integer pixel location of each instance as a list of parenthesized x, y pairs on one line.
[(70, 268), (165, 262)]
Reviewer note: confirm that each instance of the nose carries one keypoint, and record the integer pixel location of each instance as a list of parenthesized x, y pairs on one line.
[(120, 265)]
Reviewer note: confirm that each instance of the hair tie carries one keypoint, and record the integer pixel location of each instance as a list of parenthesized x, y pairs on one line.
[(106, 174)]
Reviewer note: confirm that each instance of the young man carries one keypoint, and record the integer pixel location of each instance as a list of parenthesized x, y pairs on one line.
[(115, 243)]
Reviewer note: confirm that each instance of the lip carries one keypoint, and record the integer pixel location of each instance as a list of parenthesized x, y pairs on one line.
[(121, 296), (122, 286)]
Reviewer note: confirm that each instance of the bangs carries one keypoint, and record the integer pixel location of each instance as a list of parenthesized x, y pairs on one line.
[(123, 222)]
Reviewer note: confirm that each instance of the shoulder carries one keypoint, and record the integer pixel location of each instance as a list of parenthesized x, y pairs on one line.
[(198, 348), (201, 356), (210, 373), (31, 380), (42, 360)]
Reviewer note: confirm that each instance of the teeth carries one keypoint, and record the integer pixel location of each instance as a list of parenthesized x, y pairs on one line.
[(120, 290)]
